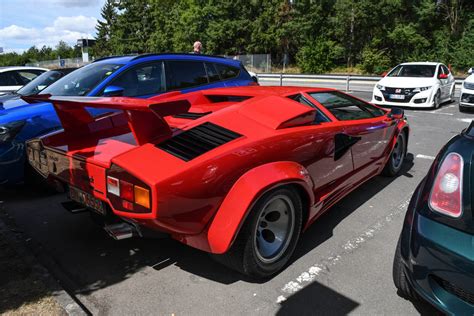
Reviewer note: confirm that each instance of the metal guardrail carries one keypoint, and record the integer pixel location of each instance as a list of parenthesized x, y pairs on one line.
[(343, 79)]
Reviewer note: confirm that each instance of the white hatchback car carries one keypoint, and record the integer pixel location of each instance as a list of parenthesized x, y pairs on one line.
[(416, 84), (13, 78), (466, 101)]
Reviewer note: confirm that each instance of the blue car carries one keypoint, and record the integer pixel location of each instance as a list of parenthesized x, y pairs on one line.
[(134, 76), (434, 259)]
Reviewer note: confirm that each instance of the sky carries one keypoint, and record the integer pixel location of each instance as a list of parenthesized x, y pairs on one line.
[(26, 23)]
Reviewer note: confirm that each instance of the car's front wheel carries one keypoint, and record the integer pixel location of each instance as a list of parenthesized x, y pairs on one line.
[(397, 156), (268, 236)]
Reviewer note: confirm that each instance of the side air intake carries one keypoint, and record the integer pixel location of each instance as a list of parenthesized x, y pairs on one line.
[(197, 141)]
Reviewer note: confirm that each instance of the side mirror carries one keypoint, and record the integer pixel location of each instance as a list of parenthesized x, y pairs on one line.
[(396, 113), (442, 76), (112, 91), (471, 70), (384, 74)]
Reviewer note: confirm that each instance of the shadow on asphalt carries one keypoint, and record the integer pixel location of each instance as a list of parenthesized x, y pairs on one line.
[(317, 299), (85, 259), (322, 229)]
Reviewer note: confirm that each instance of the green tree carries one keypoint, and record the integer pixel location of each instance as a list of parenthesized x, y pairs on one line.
[(319, 56), (104, 30)]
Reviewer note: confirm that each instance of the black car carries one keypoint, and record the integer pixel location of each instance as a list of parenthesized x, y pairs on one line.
[(434, 259), (37, 84)]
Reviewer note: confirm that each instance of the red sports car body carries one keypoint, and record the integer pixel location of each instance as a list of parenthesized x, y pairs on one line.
[(232, 171)]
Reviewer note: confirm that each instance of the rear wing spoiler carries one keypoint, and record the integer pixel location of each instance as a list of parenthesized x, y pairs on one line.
[(145, 116)]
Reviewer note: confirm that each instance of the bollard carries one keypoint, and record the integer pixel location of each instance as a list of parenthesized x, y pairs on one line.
[(281, 79), (347, 83)]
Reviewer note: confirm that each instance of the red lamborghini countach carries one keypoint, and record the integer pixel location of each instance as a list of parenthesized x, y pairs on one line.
[(237, 172)]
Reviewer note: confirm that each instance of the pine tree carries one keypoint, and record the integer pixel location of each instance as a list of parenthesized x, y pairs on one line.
[(104, 44)]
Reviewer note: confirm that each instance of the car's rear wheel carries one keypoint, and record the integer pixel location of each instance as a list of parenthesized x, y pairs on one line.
[(437, 100), (451, 96), (268, 236), (399, 275), (397, 156)]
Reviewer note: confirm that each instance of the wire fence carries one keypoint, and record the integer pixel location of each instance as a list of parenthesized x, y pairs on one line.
[(59, 63), (258, 63)]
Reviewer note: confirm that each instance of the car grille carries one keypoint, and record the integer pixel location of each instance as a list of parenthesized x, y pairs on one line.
[(191, 115), (467, 98), (408, 92), (197, 141), (453, 289)]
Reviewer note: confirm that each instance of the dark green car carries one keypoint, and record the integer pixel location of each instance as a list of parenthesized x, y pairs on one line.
[(434, 259)]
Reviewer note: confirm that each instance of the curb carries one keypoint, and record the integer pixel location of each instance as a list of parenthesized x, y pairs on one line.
[(19, 240)]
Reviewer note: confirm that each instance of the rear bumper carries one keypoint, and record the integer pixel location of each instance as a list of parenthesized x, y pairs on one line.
[(440, 265)]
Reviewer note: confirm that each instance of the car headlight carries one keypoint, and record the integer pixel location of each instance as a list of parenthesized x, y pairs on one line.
[(10, 130), (380, 87), (421, 89), (468, 85)]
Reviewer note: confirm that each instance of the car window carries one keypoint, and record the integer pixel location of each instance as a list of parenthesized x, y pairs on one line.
[(227, 72), (423, 71), (445, 69), (185, 74), (345, 107), (9, 78), (320, 117), (28, 75), (40, 82), (142, 80), (212, 73), (83, 80)]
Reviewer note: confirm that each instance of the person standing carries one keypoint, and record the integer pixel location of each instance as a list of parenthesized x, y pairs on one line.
[(197, 47)]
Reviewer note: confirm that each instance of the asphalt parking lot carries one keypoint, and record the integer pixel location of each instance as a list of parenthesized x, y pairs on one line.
[(342, 265)]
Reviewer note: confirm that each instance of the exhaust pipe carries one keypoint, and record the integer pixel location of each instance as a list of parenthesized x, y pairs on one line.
[(121, 231)]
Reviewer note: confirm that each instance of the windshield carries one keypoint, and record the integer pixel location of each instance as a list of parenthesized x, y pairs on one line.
[(425, 71), (39, 83), (82, 81)]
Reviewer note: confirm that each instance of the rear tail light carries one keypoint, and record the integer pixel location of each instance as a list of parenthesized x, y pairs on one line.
[(126, 190), (142, 196), (113, 186), (130, 196), (446, 194)]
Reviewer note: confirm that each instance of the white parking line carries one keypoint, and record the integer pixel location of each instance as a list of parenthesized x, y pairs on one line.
[(348, 247), (434, 112), (425, 157), (465, 120)]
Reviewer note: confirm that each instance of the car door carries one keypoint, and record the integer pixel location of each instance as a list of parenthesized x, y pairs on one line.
[(366, 131), (449, 81), (326, 158)]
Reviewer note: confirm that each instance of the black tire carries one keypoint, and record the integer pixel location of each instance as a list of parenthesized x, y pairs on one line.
[(451, 96), (399, 277), (462, 108), (394, 165), (437, 100), (244, 255)]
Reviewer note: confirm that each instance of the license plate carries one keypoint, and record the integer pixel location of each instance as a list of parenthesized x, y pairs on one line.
[(397, 96), (87, 199)]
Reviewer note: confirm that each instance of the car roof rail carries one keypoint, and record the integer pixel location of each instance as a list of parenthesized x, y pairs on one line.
[(177, 54), (109, 57)]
